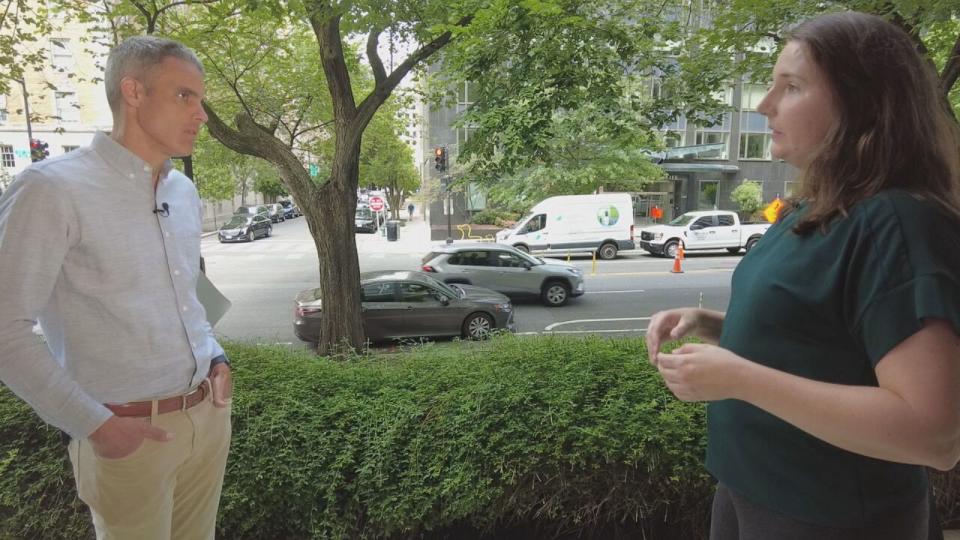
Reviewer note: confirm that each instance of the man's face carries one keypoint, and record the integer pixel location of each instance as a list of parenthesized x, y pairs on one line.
[(170, 113)]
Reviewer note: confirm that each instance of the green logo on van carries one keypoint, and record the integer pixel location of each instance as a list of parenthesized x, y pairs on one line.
[(608, 216)]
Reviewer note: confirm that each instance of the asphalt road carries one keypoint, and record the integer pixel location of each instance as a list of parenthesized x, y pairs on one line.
[(261, 279)]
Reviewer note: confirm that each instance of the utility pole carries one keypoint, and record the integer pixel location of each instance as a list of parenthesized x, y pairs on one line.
[(448, 206), (26, 110)]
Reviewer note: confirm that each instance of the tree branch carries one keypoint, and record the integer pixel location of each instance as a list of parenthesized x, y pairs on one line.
[(951, 70), (376, 65), (383, 88), (326, 28)]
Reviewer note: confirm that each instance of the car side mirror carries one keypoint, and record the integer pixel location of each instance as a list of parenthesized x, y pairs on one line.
[(444, 301), (527, 265)]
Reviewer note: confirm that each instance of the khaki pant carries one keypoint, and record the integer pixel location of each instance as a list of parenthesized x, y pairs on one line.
[(163, 490)]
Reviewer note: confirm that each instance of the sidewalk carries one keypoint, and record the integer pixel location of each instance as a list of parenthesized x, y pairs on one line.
[(412, 238)]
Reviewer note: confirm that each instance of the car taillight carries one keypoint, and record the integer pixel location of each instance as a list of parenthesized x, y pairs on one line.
[(428, 268), (631, 233), (304, 311)]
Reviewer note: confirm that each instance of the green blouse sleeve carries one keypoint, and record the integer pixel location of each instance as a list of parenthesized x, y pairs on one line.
[(907, 272)]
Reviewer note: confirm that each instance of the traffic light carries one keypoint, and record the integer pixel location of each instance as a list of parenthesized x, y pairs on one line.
[(440, 158), (38, 150)]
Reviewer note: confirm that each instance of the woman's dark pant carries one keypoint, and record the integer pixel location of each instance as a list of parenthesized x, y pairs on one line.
[(735, 518)]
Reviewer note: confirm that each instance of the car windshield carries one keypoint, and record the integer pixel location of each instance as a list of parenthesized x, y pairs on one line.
[(453, 290), (236, 222), (363, 213), (286, 204), (680, 221)]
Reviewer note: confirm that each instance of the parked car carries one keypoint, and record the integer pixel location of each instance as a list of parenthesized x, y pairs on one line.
[(505, 269), (366, 220), (243, 228), (710, 229), (290, 210), (601, 223), (252, 210), (410, 304), (275, 213)]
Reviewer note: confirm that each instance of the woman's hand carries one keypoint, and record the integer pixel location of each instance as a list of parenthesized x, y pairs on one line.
[(675, 324), (700, 372)]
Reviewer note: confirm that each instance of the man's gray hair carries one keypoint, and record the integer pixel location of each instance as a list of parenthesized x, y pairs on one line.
[(134, 56)]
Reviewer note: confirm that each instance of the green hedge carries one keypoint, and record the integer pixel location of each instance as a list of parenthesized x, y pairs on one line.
[(516, 437)]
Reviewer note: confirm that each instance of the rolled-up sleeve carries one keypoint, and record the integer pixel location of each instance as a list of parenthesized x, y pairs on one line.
[(36, 231)]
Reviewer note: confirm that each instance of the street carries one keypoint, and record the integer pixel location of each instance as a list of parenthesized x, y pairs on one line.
[(262, 278)]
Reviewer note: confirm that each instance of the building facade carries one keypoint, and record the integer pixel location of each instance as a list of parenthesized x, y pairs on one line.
[(65, 98), (704, 164)]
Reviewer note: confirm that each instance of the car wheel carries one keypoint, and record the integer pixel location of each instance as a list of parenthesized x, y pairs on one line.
[(750, 243), (477, 326), (670, 249), (733, 251), (221, 240), (608, 252), (251, 237), (521, 247), (555, 293)]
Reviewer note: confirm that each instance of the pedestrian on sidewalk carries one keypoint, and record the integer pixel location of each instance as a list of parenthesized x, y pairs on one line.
[(130, 369), (410, 211), (832, 377)]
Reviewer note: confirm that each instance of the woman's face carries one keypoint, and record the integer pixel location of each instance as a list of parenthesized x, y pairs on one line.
[(800, 106)]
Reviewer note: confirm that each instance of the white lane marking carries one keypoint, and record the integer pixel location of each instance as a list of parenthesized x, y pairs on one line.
[(554, 325), (614, 292), (625, 330)]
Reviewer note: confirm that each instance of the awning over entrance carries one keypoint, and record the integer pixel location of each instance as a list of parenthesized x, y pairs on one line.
[(699, 167)]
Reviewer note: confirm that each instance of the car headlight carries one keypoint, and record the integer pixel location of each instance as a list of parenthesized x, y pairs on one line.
[(657, 235), (575, 271), (504, 307)]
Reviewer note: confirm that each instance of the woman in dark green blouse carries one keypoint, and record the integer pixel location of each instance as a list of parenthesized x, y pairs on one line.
[(834, 376)]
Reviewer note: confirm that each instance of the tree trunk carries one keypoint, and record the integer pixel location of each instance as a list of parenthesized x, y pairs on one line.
[(331, 224)]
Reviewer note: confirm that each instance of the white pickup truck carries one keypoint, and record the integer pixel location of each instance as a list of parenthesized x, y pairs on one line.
[(710, 229)]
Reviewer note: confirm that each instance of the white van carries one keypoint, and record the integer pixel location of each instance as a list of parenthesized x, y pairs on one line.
[(601, 224)]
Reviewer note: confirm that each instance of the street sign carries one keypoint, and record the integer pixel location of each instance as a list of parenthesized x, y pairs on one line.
[(314, 170), (376, 204)]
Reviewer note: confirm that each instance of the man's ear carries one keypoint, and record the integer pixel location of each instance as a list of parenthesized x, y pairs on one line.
[(131, 90)]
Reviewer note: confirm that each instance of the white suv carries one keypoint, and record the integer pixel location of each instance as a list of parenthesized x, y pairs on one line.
[(505, 269)]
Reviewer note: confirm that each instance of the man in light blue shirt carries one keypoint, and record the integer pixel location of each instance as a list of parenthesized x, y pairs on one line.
[(102, 247)]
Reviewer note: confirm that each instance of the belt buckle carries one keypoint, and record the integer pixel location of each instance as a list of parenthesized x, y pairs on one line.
[(183, 401)]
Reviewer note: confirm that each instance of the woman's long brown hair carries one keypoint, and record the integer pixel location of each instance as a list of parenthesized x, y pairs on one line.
[(894, 129)]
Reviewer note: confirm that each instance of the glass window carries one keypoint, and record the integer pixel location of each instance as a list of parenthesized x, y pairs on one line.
[(753, 122), (508, 260), (471, 258), (725, 220), (6, 155), (67, 108), (708, 137), (708, 195), (755, 146), (535, 224), (789, 188), (415, 292), (754, 136), (703, 223), (377, 292), (751, 96), (60, 55)]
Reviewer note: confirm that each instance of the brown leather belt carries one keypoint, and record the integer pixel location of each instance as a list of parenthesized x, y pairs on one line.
[(142, 409)]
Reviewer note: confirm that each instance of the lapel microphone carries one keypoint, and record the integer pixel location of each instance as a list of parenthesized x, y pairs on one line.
[(163, 210)]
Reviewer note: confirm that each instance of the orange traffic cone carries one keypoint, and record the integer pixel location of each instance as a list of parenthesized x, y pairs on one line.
[(677, 268)]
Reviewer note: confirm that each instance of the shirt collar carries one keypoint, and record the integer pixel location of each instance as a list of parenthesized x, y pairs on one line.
[(125, 161)]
